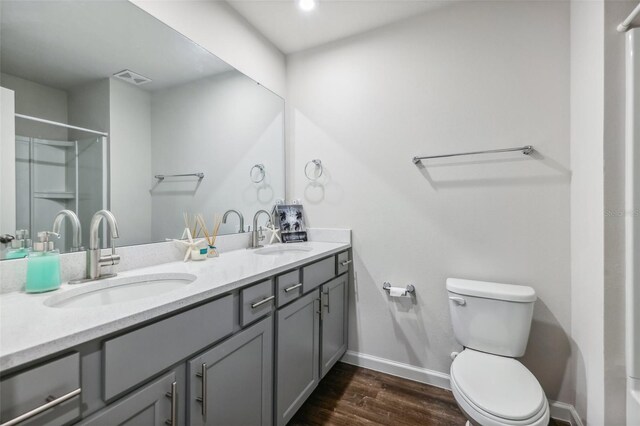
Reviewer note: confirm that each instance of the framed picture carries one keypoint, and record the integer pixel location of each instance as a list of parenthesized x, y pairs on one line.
[(290, 220)]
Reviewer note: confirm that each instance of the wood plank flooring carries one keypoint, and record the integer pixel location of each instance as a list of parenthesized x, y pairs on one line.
[(353, 396)]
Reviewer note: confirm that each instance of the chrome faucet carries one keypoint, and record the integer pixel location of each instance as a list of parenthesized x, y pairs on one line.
[(95, 260), (256, 236), (75, 226), (226, 214)]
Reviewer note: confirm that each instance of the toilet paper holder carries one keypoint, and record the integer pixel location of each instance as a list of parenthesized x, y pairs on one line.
[(410, 288)]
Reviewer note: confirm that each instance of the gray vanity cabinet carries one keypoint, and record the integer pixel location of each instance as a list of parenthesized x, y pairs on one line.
[(297, 354), (153, 405), (228, 361), (334, 322), (48, 394), (232, 383)]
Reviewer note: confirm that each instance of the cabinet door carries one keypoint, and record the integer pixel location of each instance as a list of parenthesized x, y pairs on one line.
[(297, 353), (334, 322), (154, 404), (232, 383)]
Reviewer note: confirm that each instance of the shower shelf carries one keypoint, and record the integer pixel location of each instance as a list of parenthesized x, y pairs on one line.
[(55, 195)]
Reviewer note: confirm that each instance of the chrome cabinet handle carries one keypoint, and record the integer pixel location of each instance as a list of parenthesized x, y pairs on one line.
[(44, 407), (262, 302), (319, 311), (293, 287), (327, 304), (458, 300), (346, 262), (203, 399), (174, 404)]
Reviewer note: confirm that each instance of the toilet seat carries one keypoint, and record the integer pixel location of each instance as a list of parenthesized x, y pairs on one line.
[(496, 390)]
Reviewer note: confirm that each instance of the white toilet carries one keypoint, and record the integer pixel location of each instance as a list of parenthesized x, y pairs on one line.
[(492, 322)]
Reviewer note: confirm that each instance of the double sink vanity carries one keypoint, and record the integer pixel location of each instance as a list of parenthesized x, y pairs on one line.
[(242, 339)]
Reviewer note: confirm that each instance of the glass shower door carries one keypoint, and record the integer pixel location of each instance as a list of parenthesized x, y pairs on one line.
[(53, 175)]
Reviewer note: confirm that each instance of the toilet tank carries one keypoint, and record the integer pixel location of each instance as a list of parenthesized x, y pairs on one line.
[(491, 317)]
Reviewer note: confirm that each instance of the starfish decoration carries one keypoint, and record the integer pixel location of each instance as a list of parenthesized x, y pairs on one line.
[(190, 242), (275, 233)]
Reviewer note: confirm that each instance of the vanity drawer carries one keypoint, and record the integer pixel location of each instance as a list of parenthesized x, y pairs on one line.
[(289, 287), (50, 392), (343, 263), (256, 301), (318, 273), (136, 356)]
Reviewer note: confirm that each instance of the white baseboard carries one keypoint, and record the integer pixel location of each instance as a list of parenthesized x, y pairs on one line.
[(399, 369), (558, 410), (565, 412)]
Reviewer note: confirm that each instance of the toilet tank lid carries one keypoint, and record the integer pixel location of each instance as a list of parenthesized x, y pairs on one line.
[(489, 290)]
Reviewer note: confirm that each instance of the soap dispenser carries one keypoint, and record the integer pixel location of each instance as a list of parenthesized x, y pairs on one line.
[(20, 245), (43, 265)]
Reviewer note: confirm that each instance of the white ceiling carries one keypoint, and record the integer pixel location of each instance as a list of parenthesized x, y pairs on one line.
[(291, 29), (63, 44)]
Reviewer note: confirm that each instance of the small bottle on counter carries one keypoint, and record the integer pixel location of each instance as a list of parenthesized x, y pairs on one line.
[(43, 265), (198, 253), (20, 245)]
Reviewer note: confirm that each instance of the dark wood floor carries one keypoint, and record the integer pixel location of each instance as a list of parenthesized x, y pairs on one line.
[(353, 396)]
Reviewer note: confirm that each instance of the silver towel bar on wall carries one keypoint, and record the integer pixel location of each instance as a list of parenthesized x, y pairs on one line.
[(526, 150), (198, 175)]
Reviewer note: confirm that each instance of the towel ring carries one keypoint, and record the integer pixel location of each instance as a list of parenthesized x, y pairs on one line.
[(318, 165), (260, 167)]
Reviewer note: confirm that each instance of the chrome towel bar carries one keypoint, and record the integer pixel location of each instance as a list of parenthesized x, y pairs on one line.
[(198, 175), (526, 150)]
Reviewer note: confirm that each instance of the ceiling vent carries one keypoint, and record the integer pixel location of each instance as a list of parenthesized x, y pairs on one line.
[(132, 77)]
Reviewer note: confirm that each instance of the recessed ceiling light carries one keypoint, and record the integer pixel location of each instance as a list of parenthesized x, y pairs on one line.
[(307, 5)]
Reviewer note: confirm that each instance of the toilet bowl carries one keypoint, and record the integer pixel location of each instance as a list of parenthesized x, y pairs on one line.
[(492, 322), (497, 391)]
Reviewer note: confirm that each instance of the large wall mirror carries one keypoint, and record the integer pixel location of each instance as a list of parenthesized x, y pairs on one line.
[(113, 109)]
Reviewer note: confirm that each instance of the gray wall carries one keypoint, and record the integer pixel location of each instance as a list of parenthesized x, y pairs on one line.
[(40, 101), (472, 75), (614, 201), (130, 161), (587, 228)]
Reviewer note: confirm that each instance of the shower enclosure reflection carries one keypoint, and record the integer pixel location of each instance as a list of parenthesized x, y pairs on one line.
[(54, 175)]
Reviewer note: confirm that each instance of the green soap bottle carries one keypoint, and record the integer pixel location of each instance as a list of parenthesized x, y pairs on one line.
[(43, 265), (20, 245)]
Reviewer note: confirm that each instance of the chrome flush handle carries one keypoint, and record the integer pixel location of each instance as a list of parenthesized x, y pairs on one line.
[(458, 300)]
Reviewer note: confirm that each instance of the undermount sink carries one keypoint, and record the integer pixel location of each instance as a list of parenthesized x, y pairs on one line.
[(282, 250), (119, 290)]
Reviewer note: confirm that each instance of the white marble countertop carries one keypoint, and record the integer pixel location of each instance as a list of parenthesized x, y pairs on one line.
[(30, 330)]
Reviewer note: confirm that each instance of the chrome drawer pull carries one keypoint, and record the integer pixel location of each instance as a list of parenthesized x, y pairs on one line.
[(327, 304), (319, 311), (262, 302), (203, 400), (174, 404), (293, 287), (40, 409), (346, 262)]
